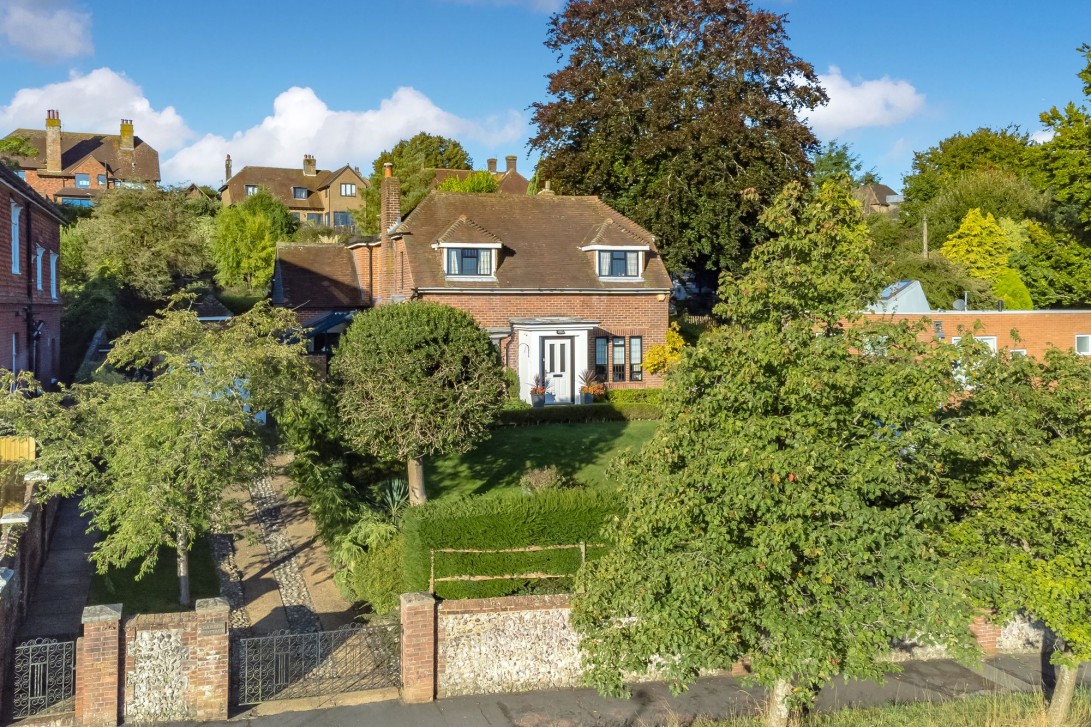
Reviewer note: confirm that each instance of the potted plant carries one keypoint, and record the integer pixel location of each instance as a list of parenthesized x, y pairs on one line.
[(538, 391), (589, 386)]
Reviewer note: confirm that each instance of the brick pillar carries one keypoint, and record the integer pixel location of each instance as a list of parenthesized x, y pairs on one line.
[(212, 677), (98, 667), (418, 614), (986, 634)]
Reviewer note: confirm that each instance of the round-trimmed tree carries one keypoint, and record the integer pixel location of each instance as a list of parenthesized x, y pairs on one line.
[(413, 380)]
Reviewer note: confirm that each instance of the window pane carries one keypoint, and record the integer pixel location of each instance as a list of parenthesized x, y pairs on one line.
[(636, 358), (619, 359), (632, 264), (1083, 345), (600, 357), (83, 180), (485, 265), (617, 264), (604, 263), (452, 262), (469, 262), (102, 180), (342, 219), (251, 189), (299, 192)]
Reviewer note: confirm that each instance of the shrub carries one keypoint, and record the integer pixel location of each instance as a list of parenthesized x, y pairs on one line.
[(555, 517), (375, 575), (541, 479), (634, 396), (604, 412)]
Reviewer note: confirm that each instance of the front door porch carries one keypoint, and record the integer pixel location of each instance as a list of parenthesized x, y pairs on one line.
[(555, 349)]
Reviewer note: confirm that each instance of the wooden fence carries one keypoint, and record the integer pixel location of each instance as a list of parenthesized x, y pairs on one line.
[(17, 449), (432, 580)]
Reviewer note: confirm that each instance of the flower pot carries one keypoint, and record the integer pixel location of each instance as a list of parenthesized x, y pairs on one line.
[(587, 397), (537, 400)]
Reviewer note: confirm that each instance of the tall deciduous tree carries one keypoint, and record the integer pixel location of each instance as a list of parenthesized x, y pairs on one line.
[(244, 245), (416, 379), (415, 163), (1026, 536), (1063, 164), (984, 248), (786, 510), (156, 458), (146, 238), (682, 114), (835, 158)]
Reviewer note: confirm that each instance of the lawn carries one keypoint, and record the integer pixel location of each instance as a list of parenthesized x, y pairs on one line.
[(582, 451), (157, 592)]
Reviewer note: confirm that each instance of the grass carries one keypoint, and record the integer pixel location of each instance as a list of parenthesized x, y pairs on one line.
[(157, 592), (999, 710), (581, 451), (239, 300)]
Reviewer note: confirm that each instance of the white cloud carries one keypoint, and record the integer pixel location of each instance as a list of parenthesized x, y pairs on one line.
[(46, 30), (882, 102), (1042, 136), (301, 123), (96, 102), (541, 6)]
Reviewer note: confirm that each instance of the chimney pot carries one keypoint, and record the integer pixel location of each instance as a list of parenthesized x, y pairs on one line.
[(492, 165), (511, 162), (388, 169), (310, 168)]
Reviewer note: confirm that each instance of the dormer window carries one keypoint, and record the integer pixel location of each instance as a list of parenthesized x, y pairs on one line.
[(297, 192), (619, 264), (470, 261)]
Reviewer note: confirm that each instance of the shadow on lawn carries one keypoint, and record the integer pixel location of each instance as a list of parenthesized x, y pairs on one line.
[(580, 451)]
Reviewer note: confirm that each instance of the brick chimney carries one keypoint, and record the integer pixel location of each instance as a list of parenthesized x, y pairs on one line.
[(310, 168), (511, 162), (127, 142), (390, 193), (390, 214), (492, 165), (53, 141), (227, 168)]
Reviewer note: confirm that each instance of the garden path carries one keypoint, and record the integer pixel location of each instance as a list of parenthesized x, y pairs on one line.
[(277, 576)]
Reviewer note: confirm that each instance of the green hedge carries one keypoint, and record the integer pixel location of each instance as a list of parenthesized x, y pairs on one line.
[(491, 522), (634, 396), (576, 414)]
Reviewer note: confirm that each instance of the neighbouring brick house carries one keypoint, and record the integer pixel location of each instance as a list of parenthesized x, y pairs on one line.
[(73, 167), (509, 181), (1025, 332), (562, 284), (314, 195), (30, 301)]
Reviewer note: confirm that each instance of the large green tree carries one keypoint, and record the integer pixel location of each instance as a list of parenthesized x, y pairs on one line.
[(835, 158), (682, 114), (413, 380), (14, 147), (415, 163), (984, 248), (149, 239), (786, 510), (244, 243), (1024, 531), (1063, 166), (156, 456)]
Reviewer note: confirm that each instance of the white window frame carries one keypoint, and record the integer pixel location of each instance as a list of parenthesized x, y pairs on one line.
[(989, 341), (1017, 352), (16, 211), (53, 259), (296, 190), (38, 255), (350, 186), (1087, 339), (250, 189), (642, 256), (494, 262)]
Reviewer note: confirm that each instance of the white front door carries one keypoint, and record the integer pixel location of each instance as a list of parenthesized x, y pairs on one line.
[(557, 369)]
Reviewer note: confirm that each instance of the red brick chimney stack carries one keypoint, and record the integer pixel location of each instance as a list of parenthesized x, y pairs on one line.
[(390, 214), (390, 193), (127, 140), (53, 141), (492, 166), (511, 162), (227, 168), (310, 167)]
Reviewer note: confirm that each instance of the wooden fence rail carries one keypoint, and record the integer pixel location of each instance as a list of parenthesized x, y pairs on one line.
[(432, 580)]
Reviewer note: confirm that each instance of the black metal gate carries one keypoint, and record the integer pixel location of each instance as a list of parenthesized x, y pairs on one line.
[(289, 666), (44, 678)]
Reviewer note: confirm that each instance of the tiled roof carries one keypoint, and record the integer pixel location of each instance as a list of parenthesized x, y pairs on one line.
[(541, 237), (280, 181), (12, 179), (510, 182), (208, 306), (317, 276), (141, 164)]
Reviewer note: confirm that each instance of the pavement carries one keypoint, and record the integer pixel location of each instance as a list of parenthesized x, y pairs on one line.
[(651, 703), (60, 590)]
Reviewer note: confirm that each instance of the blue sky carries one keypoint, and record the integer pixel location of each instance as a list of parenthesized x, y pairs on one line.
[(344, 80)]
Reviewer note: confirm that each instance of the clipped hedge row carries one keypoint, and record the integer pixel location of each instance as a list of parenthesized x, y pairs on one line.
[(577, 414), (634, 396), (493, 522)]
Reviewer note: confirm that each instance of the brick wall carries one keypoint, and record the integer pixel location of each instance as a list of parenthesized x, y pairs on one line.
[(152, 667), (1037, 330)]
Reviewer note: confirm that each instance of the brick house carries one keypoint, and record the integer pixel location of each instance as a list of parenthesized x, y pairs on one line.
[(30, 299), (1024, 332), (561, 284), (317, 196), (509, 181), (73, 167)]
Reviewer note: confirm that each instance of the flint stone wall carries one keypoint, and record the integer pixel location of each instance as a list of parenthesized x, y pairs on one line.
[(511, 644)]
